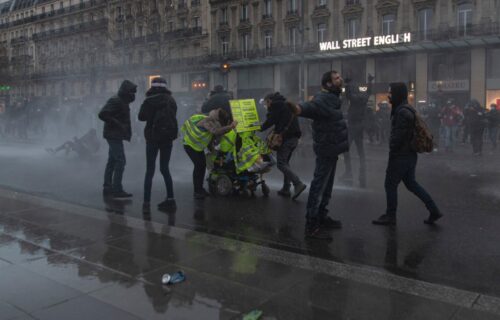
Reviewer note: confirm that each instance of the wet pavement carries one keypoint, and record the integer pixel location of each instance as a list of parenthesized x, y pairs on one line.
[(62, 261), (108, 262)]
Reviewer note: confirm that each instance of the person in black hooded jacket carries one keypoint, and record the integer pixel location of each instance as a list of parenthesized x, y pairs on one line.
[(329, 140), (285, 122), (356, 117), (117, 127), (403, 158), (159, 99)]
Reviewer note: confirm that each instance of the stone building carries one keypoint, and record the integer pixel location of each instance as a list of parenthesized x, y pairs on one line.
[(442, 48)]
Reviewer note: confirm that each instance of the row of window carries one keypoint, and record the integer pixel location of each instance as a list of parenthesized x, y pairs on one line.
[(352, 26), (27, 14)]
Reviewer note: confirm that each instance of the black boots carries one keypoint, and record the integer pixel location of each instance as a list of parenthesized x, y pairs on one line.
[(385, 220)]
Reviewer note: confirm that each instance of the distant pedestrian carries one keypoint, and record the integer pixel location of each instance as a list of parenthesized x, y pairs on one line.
[(356, 117), (330, 140), (402, 158), (478, 123), (286, 124), (159, 110), (451, 116), (116, 117), (493, 124), (219, 98), (199, 131)]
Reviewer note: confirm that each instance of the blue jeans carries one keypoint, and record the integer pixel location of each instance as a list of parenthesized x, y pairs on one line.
[(321, 190), (402, 168), (449, 136), (165, 150), (116, 165)]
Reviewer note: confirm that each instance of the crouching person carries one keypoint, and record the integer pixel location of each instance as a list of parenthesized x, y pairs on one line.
[(198, 133)]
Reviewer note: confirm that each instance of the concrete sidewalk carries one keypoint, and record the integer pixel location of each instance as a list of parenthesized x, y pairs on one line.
[(62, 261)]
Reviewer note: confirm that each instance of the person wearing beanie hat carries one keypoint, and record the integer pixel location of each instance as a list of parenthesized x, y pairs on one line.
[(117, 127), (159, 111), (402, 158)]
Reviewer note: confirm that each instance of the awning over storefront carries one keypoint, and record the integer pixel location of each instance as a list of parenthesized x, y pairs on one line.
[(462, 43)]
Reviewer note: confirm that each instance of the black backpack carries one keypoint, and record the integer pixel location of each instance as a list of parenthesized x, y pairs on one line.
[(164, 126)]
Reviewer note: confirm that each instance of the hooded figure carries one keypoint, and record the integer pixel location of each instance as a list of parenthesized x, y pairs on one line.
[(478, 122), (116, 113), (117, 127), (403, 159)]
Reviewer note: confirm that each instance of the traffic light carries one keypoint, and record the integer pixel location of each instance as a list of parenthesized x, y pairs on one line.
[(5, 88), (225, 67)]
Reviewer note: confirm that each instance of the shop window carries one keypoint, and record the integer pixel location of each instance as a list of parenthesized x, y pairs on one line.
[(493, 63), (395, 68), (424, 23), (185, 80), (449, 66), (354, 69), (388, 24), (464, 18)]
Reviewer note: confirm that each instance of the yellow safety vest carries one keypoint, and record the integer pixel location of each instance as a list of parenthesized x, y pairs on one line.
[(248, 154), (195, 137), (228, 142)]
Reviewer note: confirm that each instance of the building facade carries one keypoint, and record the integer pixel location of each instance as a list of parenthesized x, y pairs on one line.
[(75, 48)]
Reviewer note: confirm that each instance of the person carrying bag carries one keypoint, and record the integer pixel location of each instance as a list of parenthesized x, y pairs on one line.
[(284, 140)]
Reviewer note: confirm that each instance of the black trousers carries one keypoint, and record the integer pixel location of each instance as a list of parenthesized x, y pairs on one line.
[(356, 135), (152, 150), (116, 166), (402, 168), (200, 166)]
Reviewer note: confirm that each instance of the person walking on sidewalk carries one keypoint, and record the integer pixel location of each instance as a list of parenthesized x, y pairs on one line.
[(329, 140), (402, 158), (199, 131), (117, 127), (285, 123), (159, 110)]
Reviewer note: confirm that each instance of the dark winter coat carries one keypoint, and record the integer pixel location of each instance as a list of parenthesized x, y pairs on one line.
[(280, 116), (478, 120), (402, 130), (155, 100), (329, 126), (217, 100), (116, 113), (493, 119), (357, 104)]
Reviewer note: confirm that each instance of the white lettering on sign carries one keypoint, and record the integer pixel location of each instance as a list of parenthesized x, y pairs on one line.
[(366, 42), (449, 85)]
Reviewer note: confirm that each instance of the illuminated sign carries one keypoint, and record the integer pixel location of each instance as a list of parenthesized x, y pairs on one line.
[(449, 85), (375, 41)]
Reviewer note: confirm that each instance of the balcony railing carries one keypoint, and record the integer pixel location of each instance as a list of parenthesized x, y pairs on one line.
[(86, 26)]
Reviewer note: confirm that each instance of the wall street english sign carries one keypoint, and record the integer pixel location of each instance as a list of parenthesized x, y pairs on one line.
[(365, 42)]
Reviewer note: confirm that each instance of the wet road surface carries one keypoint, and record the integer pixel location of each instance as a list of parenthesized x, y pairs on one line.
[(460, 252)]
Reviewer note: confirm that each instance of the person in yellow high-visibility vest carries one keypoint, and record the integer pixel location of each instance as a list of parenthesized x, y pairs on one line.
[(198, 132)]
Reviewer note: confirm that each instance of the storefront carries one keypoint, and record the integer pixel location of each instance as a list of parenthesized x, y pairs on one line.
[(449, 77), (394, 68), (493, 77)]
